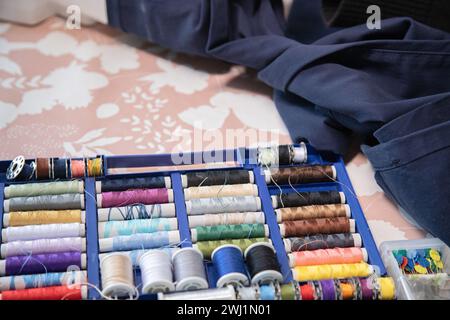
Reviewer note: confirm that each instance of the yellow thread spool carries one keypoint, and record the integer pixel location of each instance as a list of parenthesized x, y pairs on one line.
[(24, 218), (387, 288), (94, 167), (332, 271)]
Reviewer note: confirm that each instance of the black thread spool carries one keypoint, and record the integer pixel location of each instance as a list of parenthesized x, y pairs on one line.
[(294, 199), (211, 178), (19, 170), (60, 168), (262, 263)]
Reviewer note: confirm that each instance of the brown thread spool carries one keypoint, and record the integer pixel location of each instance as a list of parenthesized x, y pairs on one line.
[(313, 212), (43, 168), (317, 226), (299, 175)]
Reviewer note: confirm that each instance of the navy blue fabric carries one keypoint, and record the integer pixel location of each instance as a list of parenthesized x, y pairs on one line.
[(330, 83)]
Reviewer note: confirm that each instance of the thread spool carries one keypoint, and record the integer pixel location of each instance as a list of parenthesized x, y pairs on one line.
[(40, 263), (226, 293), (226, 218), (323, 241), (233, 190), (207, 247), (332, 271), (262, 263), (300, 199), (386, 288), (313, 212), (132, 197), (327, 256), (229, 263), (95, 167), (43, 168), (247, 293), (268, 292), (49, 293), (128, 227), (290, 291), (223, 205), (77, 168), (308, 291), (189, 270), (42, 280), (115, 184), (21, 248), (60, 168), (26, 218), (222, 232), (328, 289), (282, 155), (138, 211), (317, 226), (156, 271), (40, 189), (47, 231), (219, 177), (48, 202), (300, 175), (140, 241), (367, 289), (135, 255), (117, 276), (347, 289), (20, 170)]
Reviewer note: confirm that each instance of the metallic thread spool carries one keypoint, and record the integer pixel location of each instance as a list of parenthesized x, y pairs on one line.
[(20, 170)]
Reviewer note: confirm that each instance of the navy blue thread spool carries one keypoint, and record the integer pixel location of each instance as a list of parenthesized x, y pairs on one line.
[(59, 168), (20, 170), (228, 261)]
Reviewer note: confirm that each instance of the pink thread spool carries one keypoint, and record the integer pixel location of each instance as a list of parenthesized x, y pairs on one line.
[(130, 197), (327, 256)]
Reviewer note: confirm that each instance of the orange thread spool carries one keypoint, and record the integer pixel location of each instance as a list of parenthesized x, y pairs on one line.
[(327, 256), (77, 168), (307, 291), (347, 290), (48, 293)]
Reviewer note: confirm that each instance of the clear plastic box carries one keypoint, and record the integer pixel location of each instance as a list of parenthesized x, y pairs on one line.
[(417, 287)]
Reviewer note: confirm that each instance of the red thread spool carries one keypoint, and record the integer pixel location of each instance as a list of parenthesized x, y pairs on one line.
[(307, 291), (49, 293)]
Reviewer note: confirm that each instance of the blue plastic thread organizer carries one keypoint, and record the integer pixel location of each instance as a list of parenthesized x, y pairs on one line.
[(243, 159)]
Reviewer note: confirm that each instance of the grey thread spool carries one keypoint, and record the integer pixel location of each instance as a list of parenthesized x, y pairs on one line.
[(223, 205), (156, 271), (46, 202), (189, 270), (226, 293)]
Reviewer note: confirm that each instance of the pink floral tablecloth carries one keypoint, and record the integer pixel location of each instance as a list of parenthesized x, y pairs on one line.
[(98, 91)]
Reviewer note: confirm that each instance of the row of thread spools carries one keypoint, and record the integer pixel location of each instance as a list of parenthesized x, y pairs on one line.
[(53, 168), (318, 233), (43, 241)]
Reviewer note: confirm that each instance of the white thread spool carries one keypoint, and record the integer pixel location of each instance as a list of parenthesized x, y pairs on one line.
[(189, 270), (156, 272), (45, 231), (117, 276)]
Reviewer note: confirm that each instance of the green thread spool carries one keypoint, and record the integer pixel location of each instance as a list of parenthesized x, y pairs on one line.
[(288, 291), (224, 232), (40, 189), (207, 247)]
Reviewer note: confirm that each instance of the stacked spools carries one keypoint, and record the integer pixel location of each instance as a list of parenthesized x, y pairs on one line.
[(223, 207), (136, 216), (319, 235), (53, 168), (43, 241)]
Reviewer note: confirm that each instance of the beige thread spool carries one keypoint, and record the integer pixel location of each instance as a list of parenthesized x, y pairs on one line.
[(233, 190), (117, 276)]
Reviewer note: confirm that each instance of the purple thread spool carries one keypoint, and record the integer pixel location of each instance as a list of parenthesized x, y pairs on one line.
[(328, 290), (130, 197), (366, 289), (42, 263)]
